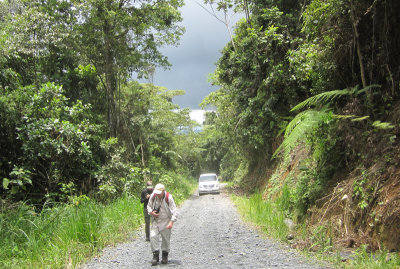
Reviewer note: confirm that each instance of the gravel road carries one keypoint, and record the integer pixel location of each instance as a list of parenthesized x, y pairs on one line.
[(208, 234)]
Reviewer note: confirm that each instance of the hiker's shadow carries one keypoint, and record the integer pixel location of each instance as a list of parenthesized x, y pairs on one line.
[(174, 262)]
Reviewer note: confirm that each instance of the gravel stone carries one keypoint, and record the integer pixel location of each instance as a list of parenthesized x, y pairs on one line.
[(208, 234)]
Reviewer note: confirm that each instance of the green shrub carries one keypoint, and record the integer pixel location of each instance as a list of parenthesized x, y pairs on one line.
[(50, 139)]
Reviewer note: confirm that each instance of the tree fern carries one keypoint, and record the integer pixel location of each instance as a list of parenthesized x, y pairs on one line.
[(308, 120), (302, 124)]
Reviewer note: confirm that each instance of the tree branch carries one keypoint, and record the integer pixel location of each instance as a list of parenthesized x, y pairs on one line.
[(225, 22)]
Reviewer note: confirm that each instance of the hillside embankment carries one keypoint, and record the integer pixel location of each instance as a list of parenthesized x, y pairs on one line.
[(359, 204)]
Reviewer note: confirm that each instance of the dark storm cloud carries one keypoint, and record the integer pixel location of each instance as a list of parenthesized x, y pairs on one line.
[(194, 59)]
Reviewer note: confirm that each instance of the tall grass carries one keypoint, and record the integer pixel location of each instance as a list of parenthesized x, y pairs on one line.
[(264, 214), (63, 235)]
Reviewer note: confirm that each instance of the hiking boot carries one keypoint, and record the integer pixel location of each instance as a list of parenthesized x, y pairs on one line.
[(156, 257), (164, 259)]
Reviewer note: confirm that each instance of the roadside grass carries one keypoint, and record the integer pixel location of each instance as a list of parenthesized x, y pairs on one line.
[(62, 236), (66, 235), (270, 218), (263, 214), (378, 260)]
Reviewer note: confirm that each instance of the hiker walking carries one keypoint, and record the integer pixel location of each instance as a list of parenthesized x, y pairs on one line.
[(145, 200), (162, 210)]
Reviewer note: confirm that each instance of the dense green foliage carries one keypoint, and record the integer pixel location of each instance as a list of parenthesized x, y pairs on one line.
[(308, 107), (57, 143), (288, 52), (72, 120), (78, 136)]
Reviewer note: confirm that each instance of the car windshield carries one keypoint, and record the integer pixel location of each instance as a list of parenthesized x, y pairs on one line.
[(206, 178)]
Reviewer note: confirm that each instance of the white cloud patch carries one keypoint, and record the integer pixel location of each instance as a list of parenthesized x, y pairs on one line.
[(197, 115)]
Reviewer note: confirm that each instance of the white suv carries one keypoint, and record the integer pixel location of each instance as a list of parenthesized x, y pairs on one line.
[(208, 183)]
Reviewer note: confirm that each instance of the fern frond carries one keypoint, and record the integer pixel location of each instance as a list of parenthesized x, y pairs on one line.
[(344, 117), (351, 117), (308, 120), (360, 118), (382, 125), (295, 121), (357, 92), (325, 97), (302, 124), (322, 98)]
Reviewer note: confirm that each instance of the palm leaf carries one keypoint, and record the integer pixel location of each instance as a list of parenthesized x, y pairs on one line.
[(170, 152)]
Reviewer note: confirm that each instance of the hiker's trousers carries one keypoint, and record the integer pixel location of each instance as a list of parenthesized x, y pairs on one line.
[(146, 223), (155, 233)]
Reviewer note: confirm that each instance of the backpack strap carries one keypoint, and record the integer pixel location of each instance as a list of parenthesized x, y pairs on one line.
[(152, 198), (167, 197)]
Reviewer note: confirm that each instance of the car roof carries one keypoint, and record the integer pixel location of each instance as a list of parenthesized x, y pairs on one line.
[(208, 174)]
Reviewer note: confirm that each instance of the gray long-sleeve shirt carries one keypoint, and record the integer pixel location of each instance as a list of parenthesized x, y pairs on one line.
[(168, 210)]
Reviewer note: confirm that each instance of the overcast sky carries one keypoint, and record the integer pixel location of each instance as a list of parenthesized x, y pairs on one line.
[(194, 59)]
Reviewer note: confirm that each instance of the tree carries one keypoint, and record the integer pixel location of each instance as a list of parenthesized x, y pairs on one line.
[(54, 142), (34, 40), (122, 37), (46, 41), (255, 89), (152, 123)]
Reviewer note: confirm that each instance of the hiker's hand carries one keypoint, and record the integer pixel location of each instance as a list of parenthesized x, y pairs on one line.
[(170, 224), (147, 196), (154, 214)]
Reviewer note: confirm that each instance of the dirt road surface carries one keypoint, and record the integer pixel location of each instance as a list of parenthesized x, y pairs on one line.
[(208, 234)]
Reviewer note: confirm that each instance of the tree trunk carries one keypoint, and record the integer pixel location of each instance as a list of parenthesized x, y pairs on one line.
[(110, 80), (247, 12), (358, 47)]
